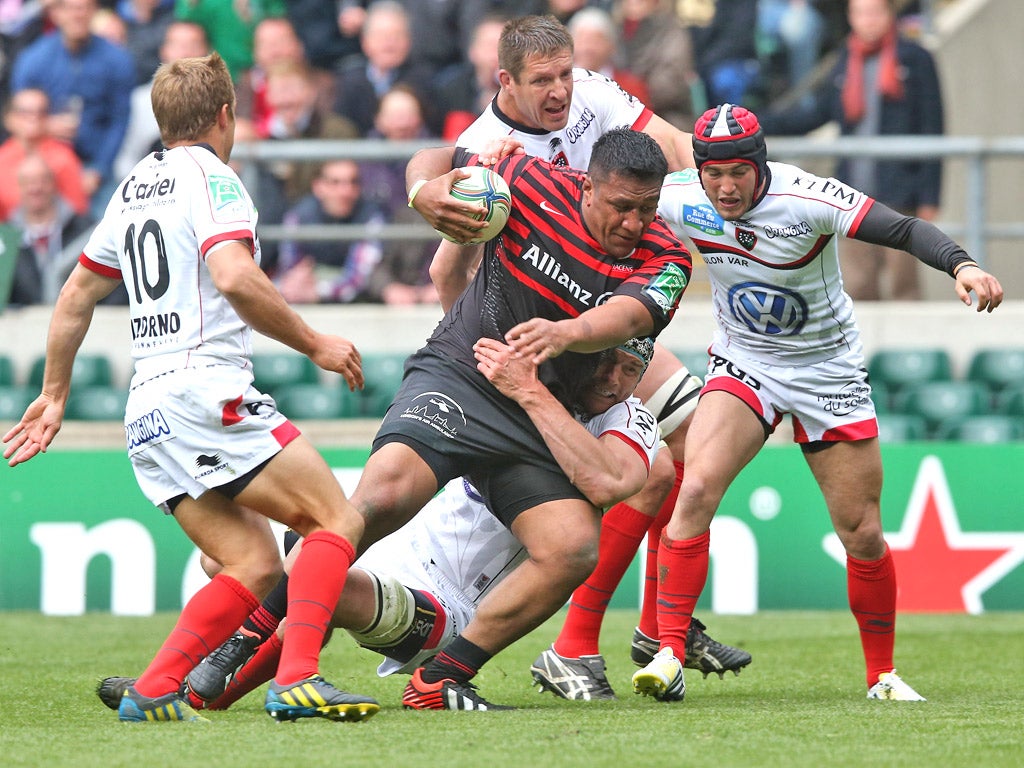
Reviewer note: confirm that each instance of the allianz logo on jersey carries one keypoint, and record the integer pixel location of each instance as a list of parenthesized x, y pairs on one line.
[(548, 265), (146, 190)]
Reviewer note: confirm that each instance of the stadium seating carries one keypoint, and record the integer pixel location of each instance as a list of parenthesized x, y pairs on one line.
[(1011, 400), (938, 401), (88, 371), (273, 370), (96, 403), (696, 360), (13, 402), (897, 369), (997, 368), (6, 371), (993, 428), (901, 428), (383, 373), (316, 401)]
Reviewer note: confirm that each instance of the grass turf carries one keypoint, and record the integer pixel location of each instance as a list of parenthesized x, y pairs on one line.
[(800, 703)]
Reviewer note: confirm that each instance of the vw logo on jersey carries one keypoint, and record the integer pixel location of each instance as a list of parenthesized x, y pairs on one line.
[(768, 309)]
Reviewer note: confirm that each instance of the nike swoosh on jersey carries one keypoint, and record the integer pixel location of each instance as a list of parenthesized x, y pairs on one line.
[(545, 207)]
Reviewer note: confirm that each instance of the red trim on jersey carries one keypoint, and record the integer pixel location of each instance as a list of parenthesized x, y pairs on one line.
[(243, 235), (99, 269), (860, 217), (285, 433), (439, 623), (632, 444), (859, 430), (229, 414), (643, 119), (706, 247), (737, 388)]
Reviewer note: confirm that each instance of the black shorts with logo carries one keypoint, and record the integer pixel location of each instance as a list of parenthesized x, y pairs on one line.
[(459, 424)]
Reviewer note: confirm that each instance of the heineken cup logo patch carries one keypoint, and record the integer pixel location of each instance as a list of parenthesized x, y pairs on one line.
[(667, 287), (746, 238), (224, 191)]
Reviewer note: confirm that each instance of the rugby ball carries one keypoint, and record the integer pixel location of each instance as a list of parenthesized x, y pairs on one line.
[(486, 187)]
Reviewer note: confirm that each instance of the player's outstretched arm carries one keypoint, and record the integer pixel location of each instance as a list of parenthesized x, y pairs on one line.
[(72, 315), (247, 287)]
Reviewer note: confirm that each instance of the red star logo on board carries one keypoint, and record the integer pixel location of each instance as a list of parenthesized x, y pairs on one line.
[(939, 567)]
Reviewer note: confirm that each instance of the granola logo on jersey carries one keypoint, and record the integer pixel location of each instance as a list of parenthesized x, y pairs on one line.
[(226, 197), (846, 400), (703, 217), (746, 238), (437, 411), (768, 309), (667, 287)]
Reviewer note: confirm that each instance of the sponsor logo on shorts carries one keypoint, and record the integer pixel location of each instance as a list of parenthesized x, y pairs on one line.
[(703, 217), (150, 428), (845, 401), (722, 366), (768, 309), (437, 411), (204, 460), (213, 463)]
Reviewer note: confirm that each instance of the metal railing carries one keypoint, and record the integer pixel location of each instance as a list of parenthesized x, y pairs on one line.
[(974, 231)]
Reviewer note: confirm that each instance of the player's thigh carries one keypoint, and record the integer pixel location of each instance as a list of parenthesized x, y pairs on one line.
[(724, 437), (238, 539), (396, 483), (562, 532), (298, 488), (850, 477)]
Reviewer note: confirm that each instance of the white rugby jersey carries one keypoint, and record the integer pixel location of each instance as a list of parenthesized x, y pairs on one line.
[(598, 104), (466, 549), (777, 292), (173, 208)]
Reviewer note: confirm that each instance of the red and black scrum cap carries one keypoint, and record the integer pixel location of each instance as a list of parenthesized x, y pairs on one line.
[(729, 134)]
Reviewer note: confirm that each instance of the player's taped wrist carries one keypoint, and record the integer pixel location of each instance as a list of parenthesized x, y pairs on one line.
[(964, 265), (416, 187)]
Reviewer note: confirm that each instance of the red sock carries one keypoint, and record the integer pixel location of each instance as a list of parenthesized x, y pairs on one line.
[(683, 569), (871, 587), (314, 586), (208, 619), (622, 528), (253, 673), (649, 608)]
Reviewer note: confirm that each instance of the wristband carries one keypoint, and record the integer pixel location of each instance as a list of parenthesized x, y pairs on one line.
[(415, 190), (963, 265)]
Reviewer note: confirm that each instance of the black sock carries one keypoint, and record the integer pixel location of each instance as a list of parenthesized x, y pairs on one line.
[(262, 622), (460, 661)]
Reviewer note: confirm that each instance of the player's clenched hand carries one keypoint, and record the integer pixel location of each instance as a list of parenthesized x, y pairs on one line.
[(36, 430), (456, 218), (539, 339), (984, 285), (512, 376), (340, 355)]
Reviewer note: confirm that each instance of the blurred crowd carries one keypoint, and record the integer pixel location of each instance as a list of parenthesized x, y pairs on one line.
[(75, 79)]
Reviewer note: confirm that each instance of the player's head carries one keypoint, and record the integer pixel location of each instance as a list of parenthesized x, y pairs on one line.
[(731, 157), (622, 189), (535, 72), (618, 372), (188, 97)]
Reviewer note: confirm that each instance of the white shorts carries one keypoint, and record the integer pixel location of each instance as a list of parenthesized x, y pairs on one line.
[(828, 401), (393, 556), (195, 429)]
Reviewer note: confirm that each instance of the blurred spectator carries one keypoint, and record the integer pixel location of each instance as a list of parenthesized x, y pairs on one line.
[(402, 276), (229, 25), (48, 226), (463, 92), (291, 96), (89, 82), (564, 10), (882, 84), (275, 41), (21, 22), (725, 49), (111, 27), (314, 271), (329, 31), (794, 30), (596, 47), (182, 39), (146, 26), (25, 119), (386, 43)]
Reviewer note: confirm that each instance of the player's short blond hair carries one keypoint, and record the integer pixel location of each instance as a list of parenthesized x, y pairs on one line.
[(528, 36), (187, 96)]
